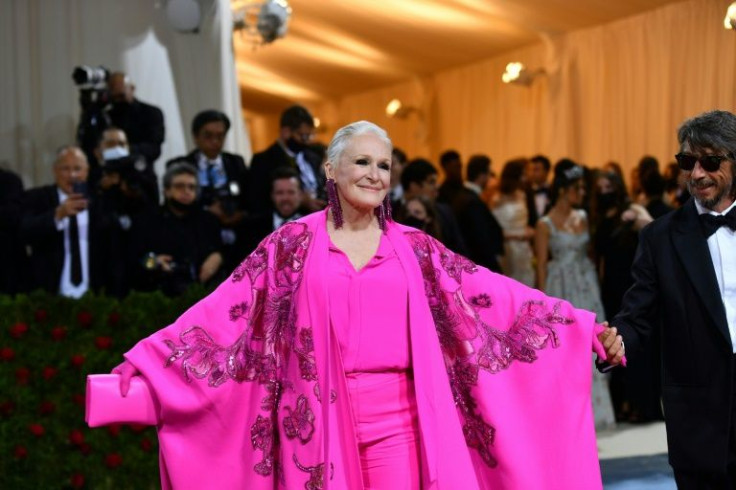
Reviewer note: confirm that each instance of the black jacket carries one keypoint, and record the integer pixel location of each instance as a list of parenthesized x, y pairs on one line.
[(481, 233), (45, 244), (143, 125), (11, 193), (676, 292), (261, 168)]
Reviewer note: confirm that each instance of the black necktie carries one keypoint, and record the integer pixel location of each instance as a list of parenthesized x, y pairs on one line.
[(74, 251), (711, 222)]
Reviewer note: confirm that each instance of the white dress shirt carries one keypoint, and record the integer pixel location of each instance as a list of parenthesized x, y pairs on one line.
[(66, 288), (722, 245)]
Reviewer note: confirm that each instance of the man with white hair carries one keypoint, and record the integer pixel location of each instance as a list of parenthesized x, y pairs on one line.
[(68, 239)]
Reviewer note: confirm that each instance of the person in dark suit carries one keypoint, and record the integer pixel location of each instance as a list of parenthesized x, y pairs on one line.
[(291, 149), (70, 240), (684, 274), (142, 123), (538, 199), (482, 234), (223, 181), (419, 178), (178, 244), (286, 205), (11, 193), (452, 165), (653, 186)]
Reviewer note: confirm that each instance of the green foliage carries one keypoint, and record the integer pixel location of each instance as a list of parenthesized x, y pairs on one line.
[(48, 345)]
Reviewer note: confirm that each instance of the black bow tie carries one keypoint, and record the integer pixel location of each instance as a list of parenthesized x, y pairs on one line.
[(541, 190), (711, 222)]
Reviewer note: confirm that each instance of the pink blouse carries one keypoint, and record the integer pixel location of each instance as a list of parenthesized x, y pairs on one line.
[(368, 310)]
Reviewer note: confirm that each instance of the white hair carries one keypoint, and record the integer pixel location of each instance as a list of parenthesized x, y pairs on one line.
[(346, 133)]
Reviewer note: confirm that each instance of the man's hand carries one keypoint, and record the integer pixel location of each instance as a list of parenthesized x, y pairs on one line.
[(164, 262), (613, 344), (75, 203), (210, 266)]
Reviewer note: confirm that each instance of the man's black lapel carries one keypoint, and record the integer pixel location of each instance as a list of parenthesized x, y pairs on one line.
[(692, 248)]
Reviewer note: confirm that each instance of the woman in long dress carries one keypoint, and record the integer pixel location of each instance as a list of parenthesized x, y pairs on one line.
[(348, 351), (564, 268), (510, 210)]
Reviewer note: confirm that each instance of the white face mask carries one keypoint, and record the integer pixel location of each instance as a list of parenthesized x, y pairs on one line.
[(114, 153)]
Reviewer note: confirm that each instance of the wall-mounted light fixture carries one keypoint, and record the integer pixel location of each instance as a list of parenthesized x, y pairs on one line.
[(730, 21), (519, 74), (263, 21), (396, 109)]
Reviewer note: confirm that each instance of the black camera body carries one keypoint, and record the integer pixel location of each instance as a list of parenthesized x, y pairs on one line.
[(227, 195), (93, 98)]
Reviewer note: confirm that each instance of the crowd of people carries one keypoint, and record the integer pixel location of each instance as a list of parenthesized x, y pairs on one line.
[(565, 231), (101, 226)]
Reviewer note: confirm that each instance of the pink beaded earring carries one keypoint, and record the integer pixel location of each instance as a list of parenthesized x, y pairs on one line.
[(383, 212), (334, 203)]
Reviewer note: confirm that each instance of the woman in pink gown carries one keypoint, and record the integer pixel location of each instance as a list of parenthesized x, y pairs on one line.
[(350, 352)]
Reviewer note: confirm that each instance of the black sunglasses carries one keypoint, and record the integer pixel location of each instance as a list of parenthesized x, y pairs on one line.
[(710, 163)]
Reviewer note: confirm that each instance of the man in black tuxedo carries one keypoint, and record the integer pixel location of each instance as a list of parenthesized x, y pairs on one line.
[(223, 181), (419, 178), (538, 190), (291, 149), (286, 205), (11, 193), (142, 123), (69, 239), (481, 232), (685, 287), (452, 165)]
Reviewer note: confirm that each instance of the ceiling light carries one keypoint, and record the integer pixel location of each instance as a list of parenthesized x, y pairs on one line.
[(519, 74), (730, 21), (394, 108), (263, 21)]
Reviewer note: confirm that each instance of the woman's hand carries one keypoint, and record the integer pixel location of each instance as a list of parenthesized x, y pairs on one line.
[(126, 371), (613, 344)]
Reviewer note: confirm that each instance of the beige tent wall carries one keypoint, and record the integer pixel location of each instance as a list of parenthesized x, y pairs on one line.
[(613, 92)]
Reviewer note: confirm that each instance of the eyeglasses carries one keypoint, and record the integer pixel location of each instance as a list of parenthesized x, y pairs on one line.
[(710, 163)]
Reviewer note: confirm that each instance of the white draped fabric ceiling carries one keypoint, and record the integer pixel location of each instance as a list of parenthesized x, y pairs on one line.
[(619, 75)]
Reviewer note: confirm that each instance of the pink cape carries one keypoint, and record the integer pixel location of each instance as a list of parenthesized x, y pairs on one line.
[(501, 371)]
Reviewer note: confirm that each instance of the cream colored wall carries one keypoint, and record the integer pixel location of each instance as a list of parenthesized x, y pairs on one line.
[(613, 92)]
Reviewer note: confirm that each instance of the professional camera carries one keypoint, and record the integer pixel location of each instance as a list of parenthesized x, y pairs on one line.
[(93, 98), (90, 77), (227, 195)]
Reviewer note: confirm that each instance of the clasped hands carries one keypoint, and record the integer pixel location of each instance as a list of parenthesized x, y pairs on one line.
[(613, 344)]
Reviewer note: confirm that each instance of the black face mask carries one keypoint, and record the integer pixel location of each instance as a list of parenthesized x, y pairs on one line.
[(295, 146), (606, 200), (181, 207), (415, 222)]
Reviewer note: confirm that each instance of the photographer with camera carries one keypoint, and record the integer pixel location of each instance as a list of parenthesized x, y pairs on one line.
[(143, 123), (178, 244), (69, 238), (223, 179), (122, 172)]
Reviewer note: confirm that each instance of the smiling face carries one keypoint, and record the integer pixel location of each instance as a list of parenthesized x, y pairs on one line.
[(363, 173), (713, 190)]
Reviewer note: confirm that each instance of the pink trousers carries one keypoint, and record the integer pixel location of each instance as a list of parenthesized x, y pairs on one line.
[(386, 425)]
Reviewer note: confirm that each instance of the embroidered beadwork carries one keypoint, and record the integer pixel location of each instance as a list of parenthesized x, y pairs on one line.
[(481, 301), (253, 265), (300, 421), (459, 327), (238, 311), (261, 353), (305, 353), (316, 474), (261, 436)]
